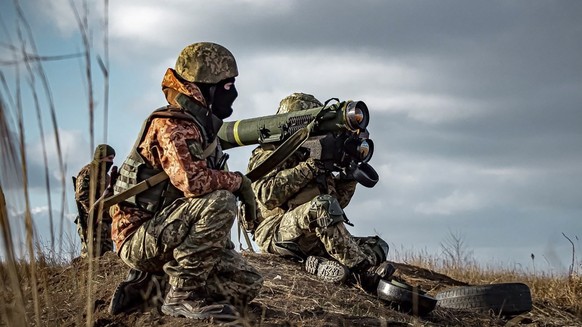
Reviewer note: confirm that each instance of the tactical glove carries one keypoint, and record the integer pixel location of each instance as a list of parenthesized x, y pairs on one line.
[(249, 205), (348, 173), (248, 224), (316, 166)]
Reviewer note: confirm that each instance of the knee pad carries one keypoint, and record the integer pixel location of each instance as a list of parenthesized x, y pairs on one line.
[(378, 246), (326, 211)]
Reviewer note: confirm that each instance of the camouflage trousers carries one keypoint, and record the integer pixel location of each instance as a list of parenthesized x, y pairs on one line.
[(301, 226), (190, 241), (101, 240)]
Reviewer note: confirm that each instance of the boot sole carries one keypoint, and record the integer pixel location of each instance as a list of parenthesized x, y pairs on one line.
[(176, 311), (327, 270)]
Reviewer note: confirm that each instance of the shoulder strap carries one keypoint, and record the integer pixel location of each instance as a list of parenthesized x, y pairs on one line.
[(140, 187), (159, 177), (280, 154), (210, 148), (177, 113)]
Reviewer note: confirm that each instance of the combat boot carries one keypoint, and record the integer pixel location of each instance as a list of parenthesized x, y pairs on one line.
[(370, 277), (194, 305), (327, 270), (138, 291)]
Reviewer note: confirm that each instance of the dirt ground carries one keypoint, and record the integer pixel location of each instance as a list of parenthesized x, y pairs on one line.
[(289, 297)]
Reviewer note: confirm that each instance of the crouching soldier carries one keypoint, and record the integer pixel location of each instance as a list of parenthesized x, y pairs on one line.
[(180, 227), (301, 214)]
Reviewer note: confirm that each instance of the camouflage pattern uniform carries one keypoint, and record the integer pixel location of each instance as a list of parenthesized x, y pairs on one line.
[(293, 208), (189, 237), (102, 225)]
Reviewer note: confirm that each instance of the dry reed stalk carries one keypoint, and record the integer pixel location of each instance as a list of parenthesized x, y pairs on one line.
[(10, 164), (37, 71), (34, 67), (83, 25)]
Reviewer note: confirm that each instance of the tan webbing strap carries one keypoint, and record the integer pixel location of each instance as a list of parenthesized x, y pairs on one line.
[(140, 187), (150, 182), (281, 154), (210, 148)]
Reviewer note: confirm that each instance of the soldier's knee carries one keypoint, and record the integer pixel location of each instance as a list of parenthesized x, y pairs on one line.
[(219, 200), (224, 199), (325, 211), (219, 206), (378, 246)]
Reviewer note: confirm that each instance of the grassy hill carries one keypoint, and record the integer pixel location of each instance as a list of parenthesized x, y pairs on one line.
[(289, 297)]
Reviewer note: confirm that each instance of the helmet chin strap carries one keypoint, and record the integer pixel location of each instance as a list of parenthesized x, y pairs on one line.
[(211, 91), (210, 99)]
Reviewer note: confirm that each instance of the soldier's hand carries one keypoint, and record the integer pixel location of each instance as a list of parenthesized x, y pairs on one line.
[(302, 153), (114, 175), (248, 224), (246, 195), (348, 173), (316, 166)]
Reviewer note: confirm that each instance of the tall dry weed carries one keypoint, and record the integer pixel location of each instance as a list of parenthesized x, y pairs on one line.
[(12, 303), (27, 64), (558, 289)]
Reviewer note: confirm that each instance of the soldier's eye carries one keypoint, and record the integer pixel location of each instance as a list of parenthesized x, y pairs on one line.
[(227, 86)]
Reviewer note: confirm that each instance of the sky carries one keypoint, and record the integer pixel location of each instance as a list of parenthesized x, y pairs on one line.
[(476, 107)]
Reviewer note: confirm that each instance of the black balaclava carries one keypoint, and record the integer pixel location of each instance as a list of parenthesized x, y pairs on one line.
[(220, 99), (102, 151), (224, 98), (108, 165)]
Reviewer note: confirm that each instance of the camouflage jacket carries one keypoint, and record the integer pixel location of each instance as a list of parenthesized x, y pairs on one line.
[(83, 189), (167, 145), (288, 186)]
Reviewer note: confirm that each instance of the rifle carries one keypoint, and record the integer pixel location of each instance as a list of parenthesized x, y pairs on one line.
[(334, 134)]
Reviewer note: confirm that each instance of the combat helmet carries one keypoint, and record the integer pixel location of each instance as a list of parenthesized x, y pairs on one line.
[(102, 151), (298, 101), (206, 62)]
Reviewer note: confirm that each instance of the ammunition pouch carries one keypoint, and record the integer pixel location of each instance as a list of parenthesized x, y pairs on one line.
[(306, 195), (134, 170), (289, 250), (326, 211)]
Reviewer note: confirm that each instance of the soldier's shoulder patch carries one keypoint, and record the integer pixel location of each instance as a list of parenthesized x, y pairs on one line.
[(195, 149)]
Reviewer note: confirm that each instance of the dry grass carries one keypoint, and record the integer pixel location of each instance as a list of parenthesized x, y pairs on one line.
[(550, 289), (26, 275), (290, 297)]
